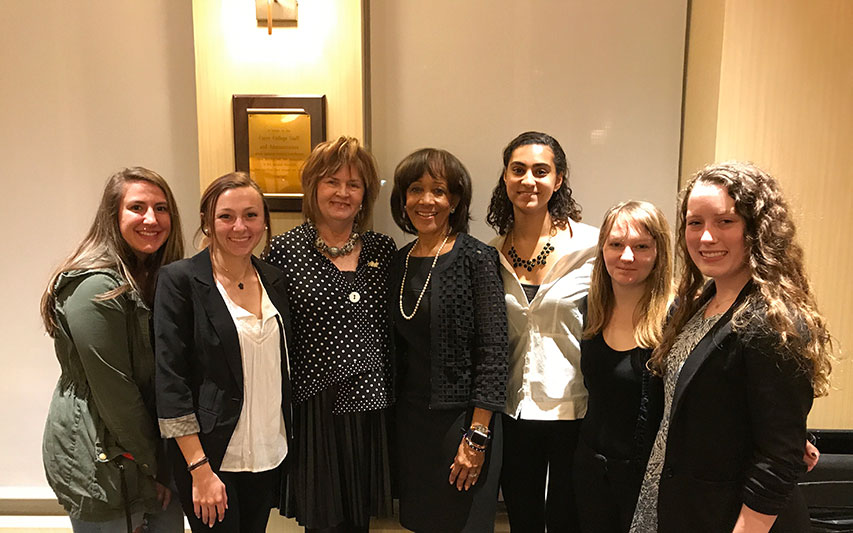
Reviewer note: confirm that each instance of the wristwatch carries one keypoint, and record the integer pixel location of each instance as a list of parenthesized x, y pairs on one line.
[(478, 435)]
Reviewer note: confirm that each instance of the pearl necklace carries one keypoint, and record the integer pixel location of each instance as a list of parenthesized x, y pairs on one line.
[(426, 284), (529, 264)]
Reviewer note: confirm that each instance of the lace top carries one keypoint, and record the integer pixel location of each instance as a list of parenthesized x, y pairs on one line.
[(646, 513)]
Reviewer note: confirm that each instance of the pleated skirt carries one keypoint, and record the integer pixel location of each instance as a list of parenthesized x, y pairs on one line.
[(338, 471)]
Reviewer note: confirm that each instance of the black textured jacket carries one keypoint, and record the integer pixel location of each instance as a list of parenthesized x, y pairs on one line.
[(468, 329)]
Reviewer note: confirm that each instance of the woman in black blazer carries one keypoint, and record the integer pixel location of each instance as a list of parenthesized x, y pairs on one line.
[(220, 322), (742, 359)]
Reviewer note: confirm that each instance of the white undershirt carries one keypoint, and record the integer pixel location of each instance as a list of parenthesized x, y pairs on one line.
[(258, 442)]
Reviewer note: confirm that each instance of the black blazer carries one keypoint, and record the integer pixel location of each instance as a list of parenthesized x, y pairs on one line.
[(199, 366), (737, 429)]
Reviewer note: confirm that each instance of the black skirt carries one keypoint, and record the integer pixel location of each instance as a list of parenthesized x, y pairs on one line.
[(426, 444), (338, 469)]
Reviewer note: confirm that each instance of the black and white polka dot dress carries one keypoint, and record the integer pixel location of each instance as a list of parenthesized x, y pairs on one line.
[(341, 376)]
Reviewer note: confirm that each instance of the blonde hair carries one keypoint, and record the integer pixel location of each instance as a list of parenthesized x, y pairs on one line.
[(652, 307), (776, 266), (329, 157), (104, 246)]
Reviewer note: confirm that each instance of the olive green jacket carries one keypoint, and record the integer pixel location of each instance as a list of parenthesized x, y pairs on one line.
[(103, 406)]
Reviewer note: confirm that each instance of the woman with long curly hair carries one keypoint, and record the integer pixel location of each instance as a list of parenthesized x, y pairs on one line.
[(742, 359)]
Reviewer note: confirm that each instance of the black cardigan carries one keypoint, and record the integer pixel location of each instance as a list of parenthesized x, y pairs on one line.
[(468, 328)]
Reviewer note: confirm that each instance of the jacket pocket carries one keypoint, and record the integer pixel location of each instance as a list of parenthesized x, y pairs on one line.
[(209, 405)]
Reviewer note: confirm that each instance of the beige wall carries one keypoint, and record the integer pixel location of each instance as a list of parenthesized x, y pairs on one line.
[(783, 98), (322, 55), (604, 78), (86, 89)]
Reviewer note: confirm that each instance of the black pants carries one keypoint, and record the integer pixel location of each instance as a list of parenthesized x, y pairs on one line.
[(251, 495), (606, 491), (537, 453)]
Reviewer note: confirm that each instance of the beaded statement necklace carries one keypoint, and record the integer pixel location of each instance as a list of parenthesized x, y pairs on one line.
[(336, 251), (426, 283), (529, 264)]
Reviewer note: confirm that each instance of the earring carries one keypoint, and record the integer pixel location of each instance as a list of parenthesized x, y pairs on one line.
[(452, 210)]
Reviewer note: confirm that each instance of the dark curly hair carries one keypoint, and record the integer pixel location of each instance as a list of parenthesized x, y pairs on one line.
[(561, 205), (439, 164), (775, 262)]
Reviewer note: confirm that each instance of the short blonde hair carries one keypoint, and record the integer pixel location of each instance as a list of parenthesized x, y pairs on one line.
[(329, 157)]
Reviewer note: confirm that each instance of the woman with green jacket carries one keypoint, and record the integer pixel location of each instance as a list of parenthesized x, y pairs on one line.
[(101, 439)]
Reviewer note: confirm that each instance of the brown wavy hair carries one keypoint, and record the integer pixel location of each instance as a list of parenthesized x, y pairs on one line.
[(775, 261), (652, 307), (561, 206), (329, 157), (104, 247)]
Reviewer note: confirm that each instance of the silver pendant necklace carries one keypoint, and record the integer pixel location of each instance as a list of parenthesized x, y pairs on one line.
[(426, 284)]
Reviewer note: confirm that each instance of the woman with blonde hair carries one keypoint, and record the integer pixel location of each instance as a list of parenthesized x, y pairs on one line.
[(742, 359), (221, 327), (101, 444), (336, 274), (625, 311)]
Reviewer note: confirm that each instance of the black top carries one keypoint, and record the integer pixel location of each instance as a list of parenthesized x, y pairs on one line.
[(613, 426), (467, 327), (414, 333), (530, 291), (341, 326)]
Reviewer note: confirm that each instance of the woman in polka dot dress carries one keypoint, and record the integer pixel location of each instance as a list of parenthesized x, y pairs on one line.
[(337, 281), (451, 352)]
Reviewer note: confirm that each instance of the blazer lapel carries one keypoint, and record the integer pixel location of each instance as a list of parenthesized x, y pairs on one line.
[(217, 313), (706, 346)]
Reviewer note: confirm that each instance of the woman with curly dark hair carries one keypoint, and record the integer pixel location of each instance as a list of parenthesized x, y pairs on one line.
[(742, 359), (546, 257)]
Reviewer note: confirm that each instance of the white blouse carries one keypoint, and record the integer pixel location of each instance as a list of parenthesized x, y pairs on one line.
[(544, 381), (258, 442)]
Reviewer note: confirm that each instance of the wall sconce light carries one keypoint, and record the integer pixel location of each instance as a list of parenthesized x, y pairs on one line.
[(278, 13)]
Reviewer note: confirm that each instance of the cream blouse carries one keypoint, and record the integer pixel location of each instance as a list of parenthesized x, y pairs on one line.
[(545, 382), (258, 442)]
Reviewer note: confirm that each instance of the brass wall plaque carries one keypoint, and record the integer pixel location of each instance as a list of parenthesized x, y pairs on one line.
[(273, 136), (278, 145)]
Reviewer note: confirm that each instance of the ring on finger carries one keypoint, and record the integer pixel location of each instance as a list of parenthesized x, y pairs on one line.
[(473, 474)]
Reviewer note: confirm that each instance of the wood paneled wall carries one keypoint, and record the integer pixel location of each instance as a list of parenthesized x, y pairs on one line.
[(322, 55), (785, 102)]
